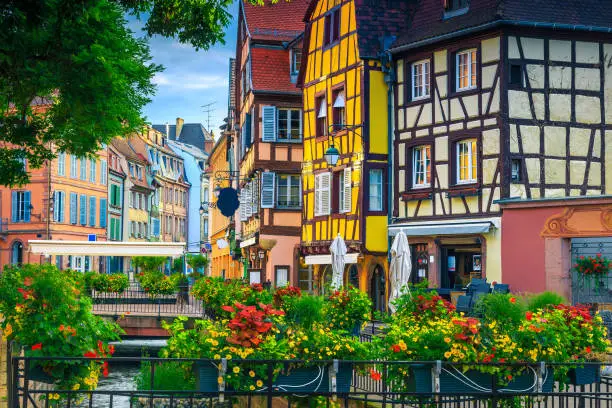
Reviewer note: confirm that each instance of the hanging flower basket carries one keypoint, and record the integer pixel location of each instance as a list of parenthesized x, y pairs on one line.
[(592, 271)]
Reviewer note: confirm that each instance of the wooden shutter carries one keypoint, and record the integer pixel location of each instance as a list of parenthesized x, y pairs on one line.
[(325, 193), (268, 187), (348, 190), (83, 213), (269, 123), (92, 211), (73, 208), (14, 205), (26, 206)]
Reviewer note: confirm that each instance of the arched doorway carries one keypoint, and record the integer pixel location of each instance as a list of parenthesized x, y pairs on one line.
[(377, 288), (352, 276), (325, 278), (17, 253)]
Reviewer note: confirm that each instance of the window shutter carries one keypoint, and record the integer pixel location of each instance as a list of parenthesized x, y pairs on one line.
[(325, 193), (56, 206), (73, 208), (348, 190), (83, 204), (255, 196), (268, 186), (317, 195), (269, 123), (243, 205), (92, 211), (247, 131), (249, 201), (26, 206), (14, 205)]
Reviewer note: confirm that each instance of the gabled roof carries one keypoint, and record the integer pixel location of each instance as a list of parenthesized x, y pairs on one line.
[(281, 21), (191, 133), (428, 21), (125, 148), (271, 70), (375, 21)]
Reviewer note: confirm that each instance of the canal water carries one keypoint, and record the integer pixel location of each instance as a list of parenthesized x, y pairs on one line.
[(122, 377)]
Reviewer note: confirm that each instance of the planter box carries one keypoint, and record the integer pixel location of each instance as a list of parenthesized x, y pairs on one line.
[(420, 381), (588, 374), (299, 380)]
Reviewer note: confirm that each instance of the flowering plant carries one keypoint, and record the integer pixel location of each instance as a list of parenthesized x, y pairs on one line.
[(156, 283), (284, 294), (218, 292), (110, 283), (323, 343), (597, 265), (423, 305), (346, 309), (45, 313)]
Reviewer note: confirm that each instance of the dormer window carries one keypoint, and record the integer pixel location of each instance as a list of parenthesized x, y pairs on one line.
[(454, 8)]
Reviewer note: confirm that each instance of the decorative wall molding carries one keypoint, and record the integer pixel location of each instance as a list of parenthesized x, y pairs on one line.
[(588, 221)]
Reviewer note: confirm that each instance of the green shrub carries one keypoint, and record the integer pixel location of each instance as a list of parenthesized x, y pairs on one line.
[(148, 263), (198, 262), (168, 376), (156, 283), (544, 300), (305, 310), (503, 307), (109, 283)]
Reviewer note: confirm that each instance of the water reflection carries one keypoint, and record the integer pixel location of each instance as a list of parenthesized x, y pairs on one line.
[(121, 378)]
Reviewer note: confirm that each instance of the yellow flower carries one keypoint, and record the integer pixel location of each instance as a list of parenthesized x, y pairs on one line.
[(76, 386), (252, 388), (259, 383), (217, 357), (56, 396), (220, 380), (447, 340), (236, 370), (306, 350), (447, 354)]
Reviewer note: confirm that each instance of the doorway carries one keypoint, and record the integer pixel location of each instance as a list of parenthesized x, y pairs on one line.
[(460, 265), (377, 289)]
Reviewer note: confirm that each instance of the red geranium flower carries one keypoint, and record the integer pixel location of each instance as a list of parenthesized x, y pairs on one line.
[(587, 349), (375, 375), (512, 300), (90, 354), (37, 346), (105, 369), (396, 348), (27, 281), (529, 316)]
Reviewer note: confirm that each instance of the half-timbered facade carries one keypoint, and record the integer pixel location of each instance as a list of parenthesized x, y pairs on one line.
[(346, 107), (495, 101), (269, 145)]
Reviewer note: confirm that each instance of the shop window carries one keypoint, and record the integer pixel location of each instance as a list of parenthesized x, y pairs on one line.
[(305, 282)]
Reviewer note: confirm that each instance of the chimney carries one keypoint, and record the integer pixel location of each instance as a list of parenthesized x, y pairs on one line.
[(179, 127)]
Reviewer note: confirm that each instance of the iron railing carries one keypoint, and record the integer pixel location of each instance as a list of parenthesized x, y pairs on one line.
[(135, 301), (383, 390)]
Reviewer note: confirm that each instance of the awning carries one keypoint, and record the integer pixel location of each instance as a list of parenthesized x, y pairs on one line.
[(327, 260), (437, 228), (106, 248)]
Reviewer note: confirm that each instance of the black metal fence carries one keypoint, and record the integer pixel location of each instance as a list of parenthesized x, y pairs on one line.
[(333, 383), (136, 301)]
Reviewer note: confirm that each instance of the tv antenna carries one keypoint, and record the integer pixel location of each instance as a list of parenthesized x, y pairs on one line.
[(208, 109)]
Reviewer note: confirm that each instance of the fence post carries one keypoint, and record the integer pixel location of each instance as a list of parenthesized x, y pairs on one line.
[(26, 372), (270, 383), (494, 392)]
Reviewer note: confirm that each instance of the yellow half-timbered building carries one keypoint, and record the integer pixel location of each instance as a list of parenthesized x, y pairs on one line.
[(345, 98)]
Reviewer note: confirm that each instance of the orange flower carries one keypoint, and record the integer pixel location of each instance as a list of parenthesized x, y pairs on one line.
[(27, 281), (512, 300), (375, 375), (396, 348)]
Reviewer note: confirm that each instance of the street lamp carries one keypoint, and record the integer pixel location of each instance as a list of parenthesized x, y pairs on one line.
[(332, 155)]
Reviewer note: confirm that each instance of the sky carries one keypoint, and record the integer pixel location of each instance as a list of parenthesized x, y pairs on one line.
[(191, 78)]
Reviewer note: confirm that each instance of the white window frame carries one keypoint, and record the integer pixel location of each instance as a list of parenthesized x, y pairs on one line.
[(290, 184), (74, 172), (421, 152), (420, 82), (290, 113), (473, 155), (472, 55), (61, 164), (295, 60)]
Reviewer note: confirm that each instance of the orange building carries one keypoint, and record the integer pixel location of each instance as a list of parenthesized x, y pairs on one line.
[(66, 199), (221, 229)]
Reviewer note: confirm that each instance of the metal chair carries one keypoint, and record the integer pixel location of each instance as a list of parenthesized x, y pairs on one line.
[(463, 303), (501, 288)]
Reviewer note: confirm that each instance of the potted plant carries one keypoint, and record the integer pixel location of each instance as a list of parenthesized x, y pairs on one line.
[(591, 270), (348, 309)]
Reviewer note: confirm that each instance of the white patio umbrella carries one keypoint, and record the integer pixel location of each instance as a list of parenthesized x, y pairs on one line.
[(338, 251), (401, 267)]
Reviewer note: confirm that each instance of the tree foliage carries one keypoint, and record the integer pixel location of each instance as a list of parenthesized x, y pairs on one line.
[(73, 76)]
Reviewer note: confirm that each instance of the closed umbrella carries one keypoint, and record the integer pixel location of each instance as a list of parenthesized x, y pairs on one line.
[(338, 251), (401, 267)]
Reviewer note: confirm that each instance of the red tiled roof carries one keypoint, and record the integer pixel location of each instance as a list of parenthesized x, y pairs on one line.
[(270, 70), (281, 21)]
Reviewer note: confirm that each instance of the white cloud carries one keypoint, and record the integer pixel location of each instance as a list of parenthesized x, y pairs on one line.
[(190, 81)]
